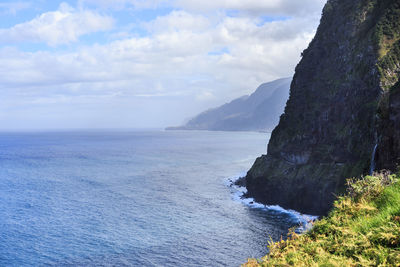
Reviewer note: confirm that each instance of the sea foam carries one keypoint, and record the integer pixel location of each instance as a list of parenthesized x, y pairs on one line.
[(303, 220)]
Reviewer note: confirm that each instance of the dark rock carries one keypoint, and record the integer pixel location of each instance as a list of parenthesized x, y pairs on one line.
[(343, 101), (241, 182)]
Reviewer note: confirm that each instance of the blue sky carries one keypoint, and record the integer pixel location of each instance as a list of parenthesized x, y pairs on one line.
[(141, 63)]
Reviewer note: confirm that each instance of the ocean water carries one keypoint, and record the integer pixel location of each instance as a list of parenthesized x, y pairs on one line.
[(131, 198)]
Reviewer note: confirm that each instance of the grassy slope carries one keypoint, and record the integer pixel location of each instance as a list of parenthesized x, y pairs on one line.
[(363, 229)]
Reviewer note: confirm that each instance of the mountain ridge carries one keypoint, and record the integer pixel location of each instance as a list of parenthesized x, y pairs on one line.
[(259, 111)]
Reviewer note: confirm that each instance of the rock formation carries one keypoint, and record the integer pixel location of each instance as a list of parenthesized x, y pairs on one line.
[(344, 100)]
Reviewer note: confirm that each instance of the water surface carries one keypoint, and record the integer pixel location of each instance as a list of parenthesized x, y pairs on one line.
[(130, 198)]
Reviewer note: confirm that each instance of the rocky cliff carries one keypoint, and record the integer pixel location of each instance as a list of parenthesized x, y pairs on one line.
[(258, 112), (344, 102)]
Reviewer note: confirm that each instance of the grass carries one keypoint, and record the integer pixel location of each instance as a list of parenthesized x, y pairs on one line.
[(363, 229)]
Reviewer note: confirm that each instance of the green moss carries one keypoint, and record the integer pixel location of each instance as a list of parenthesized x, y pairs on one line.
[(363, 229)]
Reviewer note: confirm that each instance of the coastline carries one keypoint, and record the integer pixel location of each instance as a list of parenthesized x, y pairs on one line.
[(238, 192)]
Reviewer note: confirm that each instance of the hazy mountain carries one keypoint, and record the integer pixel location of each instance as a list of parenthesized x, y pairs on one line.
[(258, 112)]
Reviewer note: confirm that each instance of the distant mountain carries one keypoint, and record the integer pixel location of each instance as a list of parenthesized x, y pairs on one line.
[(258, 112)]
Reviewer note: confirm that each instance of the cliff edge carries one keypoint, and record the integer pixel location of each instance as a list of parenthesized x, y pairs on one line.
[(343, 113)]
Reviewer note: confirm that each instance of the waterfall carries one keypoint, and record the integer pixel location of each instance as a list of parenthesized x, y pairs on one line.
[(372, 166)]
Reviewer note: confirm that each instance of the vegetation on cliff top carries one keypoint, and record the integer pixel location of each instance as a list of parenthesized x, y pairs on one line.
[(387, 38), (363, 229)]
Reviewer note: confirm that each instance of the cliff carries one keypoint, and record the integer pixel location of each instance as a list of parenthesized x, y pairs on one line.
[(258, 112), (344, 100)]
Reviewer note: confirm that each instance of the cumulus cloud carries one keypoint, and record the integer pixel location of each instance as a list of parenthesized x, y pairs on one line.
[(63, 26), (186, 62), (234, 51), (179, 21)]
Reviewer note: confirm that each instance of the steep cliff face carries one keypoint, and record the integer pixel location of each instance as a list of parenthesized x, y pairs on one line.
[(343, 98)]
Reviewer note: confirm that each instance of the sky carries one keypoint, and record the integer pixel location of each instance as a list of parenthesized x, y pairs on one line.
[(141, 63)]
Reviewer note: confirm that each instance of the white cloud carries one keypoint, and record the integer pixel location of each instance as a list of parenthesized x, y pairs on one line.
[(63, 26), (179, 21), (270, 7), (187, 62), (205, 96), (172, 56), (256, 7)]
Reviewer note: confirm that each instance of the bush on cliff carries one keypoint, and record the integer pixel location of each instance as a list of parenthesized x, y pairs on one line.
[(363, 229)]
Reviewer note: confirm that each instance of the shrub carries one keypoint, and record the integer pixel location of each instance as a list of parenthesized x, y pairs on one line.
[(363, 229)]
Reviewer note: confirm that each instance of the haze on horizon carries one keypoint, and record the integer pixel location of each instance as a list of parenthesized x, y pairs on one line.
[(141, 64)]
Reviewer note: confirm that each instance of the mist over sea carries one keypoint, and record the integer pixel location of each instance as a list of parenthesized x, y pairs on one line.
[(130, 198)]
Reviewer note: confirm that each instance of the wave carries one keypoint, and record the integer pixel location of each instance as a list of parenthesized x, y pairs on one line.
[(305, 221)]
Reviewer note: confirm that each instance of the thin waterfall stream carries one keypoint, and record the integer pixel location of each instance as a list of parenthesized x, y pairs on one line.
[(372, 166)]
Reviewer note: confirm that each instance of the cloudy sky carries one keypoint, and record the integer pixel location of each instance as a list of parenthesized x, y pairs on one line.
[(141, 63)]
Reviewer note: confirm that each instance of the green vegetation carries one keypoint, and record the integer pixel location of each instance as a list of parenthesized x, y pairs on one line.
[(388, 28), (363, 229), (387, 38)]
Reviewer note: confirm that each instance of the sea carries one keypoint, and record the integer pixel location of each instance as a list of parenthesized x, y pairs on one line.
[(133, 198)]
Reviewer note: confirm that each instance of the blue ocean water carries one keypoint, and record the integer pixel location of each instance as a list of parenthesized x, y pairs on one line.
[(130, 198)]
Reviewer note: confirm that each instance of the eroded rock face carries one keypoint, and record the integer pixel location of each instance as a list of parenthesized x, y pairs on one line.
[(388, 150), (331, 122)]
